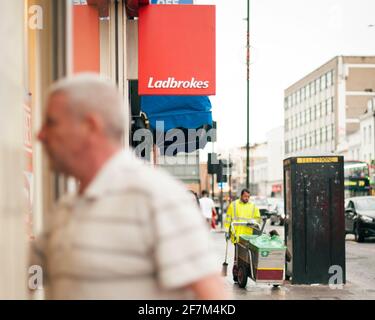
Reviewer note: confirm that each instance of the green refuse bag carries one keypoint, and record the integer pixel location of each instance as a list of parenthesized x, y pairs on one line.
[(265, 242)]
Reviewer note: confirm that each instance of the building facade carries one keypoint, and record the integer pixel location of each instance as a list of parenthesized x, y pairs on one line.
[(266, 166), (323, 108), (367, 133), (275, 157)]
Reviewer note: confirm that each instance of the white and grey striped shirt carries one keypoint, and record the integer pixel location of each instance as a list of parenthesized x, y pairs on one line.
[(134, 234)]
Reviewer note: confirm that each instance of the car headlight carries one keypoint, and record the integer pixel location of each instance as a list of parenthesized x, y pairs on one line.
[(366, 219)]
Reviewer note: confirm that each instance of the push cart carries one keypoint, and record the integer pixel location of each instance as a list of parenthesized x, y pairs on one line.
[(259, 257)]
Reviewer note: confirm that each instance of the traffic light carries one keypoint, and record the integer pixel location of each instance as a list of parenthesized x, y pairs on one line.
[(224, 169), (221, 175), (212, 163)]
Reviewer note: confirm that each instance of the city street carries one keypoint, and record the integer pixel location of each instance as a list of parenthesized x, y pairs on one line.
[(360, 274)]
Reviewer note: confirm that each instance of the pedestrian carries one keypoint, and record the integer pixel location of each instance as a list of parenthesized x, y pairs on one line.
[(131, 231), (208, 207), (242, 211)]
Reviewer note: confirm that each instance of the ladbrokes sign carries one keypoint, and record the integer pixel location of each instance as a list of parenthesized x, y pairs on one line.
[(177, 50), (172, 83)]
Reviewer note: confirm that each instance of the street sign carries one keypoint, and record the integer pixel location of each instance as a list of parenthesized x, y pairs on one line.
[(222, 185)]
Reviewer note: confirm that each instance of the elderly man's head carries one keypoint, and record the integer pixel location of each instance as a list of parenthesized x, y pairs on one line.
[(84, 117)]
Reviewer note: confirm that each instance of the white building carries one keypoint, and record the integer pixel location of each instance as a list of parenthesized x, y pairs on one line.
[(322, 109), (266, 165), (259, 169), (275, 157), (367, 133)]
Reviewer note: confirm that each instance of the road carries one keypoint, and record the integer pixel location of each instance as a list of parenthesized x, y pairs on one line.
[(360, 274)]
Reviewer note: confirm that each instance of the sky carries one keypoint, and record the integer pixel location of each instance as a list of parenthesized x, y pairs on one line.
[(288, 40)]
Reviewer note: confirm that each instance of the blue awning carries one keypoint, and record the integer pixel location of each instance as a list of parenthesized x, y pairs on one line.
[(189, 112)]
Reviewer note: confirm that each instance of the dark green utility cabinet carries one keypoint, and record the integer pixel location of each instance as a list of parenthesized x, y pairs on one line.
[(314, 226)]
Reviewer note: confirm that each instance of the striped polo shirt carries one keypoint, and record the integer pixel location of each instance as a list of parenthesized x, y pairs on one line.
[(134, 234)]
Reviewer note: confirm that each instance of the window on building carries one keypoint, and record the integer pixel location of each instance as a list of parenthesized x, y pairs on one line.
[(294, 99), (298, 96), (286, 125), (303, 115), (286, 147), (327, 107), (312, 88), (369, 134), (329, 133), (315, 137), (305, 141), (364, 135), (307, 91), (311, 139), (317, 85), (318, 106), (323, 82), (286, 103), (300, 144), (333, 131), (308, 111), (329, 78), (326, 129), (296, 144), (303, 94)]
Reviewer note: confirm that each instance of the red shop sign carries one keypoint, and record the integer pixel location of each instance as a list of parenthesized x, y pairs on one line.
[(177, 50)]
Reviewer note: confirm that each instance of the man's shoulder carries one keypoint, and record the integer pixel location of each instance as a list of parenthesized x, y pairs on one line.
[(155, 181)]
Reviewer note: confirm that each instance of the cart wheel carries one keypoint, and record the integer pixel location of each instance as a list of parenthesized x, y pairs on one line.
[(235, 273), (242, 276), (276, 286)]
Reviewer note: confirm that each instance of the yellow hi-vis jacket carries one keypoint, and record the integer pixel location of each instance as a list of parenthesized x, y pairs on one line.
[(241, 212)]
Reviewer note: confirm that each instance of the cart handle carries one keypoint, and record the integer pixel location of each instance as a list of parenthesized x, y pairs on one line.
[(251, 223)]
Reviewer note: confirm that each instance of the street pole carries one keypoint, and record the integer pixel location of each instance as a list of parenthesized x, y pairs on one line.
[(372, 163), (213, 176), (230, 179), (248, 96)]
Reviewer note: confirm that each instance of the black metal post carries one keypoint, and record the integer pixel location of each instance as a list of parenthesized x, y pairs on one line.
[(230, 179), (248, 97)]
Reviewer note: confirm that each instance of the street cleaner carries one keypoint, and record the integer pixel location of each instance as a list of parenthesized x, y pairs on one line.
[(239, 211)]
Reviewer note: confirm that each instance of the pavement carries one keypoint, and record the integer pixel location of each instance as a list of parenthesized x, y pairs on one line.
[(360, 275)]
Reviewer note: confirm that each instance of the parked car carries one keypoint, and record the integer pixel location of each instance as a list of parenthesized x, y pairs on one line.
[(277, 211), (262, 204), (360, 217)]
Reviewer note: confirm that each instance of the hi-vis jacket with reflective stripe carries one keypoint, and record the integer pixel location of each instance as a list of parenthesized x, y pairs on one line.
[(241, 212)]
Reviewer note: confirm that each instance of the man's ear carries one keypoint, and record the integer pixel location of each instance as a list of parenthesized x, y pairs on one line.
[(94, 123)]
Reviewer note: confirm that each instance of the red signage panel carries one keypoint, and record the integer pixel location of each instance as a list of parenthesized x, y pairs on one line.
[(177, 54), (86, 45)]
